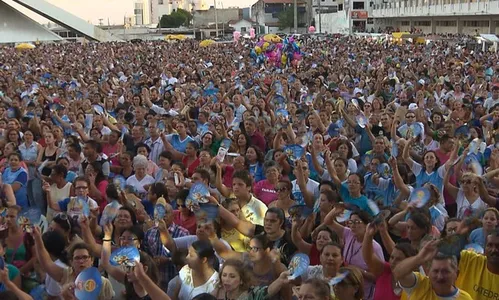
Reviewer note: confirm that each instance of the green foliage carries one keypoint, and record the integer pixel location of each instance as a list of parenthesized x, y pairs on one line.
[(286, 18), (175, 19)]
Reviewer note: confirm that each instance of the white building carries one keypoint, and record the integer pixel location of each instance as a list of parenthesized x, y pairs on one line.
[(243, 25), (439, 16), (141, 11), (158, 8), (426, 16)]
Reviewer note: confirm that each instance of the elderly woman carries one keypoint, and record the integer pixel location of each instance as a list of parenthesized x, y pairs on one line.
[(140, 180)]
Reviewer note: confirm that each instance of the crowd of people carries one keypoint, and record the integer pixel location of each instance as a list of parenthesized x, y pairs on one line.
[(398, 173)]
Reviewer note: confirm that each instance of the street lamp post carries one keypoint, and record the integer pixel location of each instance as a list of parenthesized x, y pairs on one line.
[(295, 15), (216, 18)]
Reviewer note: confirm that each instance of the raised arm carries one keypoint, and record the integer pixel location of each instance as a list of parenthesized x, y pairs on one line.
[(331, 170), (11, 286), (151, 287), (403, 272), (405, 154), (243, 226), (375, 265), (116, 272), (300, 244), (224, 190), (44, 259), (330, 221), (302, 184), (397, 179)]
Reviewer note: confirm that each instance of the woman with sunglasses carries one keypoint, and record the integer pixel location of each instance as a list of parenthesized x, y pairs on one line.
[(353, 236), (183, 216), (284, 197), (467, 195)]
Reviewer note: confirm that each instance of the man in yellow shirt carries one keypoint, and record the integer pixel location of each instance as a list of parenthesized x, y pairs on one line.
[(478, 274), (439, 284)]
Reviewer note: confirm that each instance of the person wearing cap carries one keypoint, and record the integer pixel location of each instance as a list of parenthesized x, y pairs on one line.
[(440, 281)]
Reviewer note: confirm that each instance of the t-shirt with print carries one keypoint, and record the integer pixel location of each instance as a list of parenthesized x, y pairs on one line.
[(422, 290), (475, 278), (74, 209), (284, 245)]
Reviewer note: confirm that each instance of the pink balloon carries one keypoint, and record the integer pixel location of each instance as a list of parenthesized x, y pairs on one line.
[(236, 35), (252, 33), (297, 56), (311, 29)]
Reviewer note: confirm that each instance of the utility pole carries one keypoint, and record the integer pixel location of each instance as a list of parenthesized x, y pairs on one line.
[(295, 15), (319, 11), (216, 18), (193, 25)]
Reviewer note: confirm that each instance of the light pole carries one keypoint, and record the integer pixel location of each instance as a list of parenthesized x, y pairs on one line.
[(295, 15), (319, 10), (193, 25), (216, 18)]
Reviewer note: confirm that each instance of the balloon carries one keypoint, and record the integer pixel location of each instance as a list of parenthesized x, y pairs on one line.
[(258, 50), (297, 56), (311, 29), (265, 46), (284, 59), (291, 39), (252, 33), (236, 35), (253, 53)]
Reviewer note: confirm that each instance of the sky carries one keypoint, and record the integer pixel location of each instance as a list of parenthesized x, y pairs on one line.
[(115, 10)]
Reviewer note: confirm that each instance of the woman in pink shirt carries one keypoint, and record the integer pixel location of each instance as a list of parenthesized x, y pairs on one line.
[(265, 190), (386, 286), (98, 184)]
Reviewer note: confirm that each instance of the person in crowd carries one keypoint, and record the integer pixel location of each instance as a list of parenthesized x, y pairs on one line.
[(440, 281)]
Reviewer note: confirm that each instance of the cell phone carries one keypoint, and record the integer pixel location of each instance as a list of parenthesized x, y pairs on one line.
[(177, 180)]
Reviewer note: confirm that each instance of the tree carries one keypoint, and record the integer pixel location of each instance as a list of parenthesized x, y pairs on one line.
[(186, 14), (286, 18), (175, 19)]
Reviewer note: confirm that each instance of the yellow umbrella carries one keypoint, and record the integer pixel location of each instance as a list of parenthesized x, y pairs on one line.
[(24, 46), (272, 38), (178, 37), (206, 43)]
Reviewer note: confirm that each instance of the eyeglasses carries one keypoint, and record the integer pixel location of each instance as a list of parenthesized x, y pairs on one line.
[(81, 258), (254, 249), (281, 189), (468, 181), (410, 117), (81, 187), (127, 238), (354, 222)]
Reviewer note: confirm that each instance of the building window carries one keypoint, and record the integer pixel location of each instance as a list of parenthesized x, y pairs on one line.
[(340, 7), (370, 21), (422, 23), (476, 23), (358, 5), (405, 23), (160, 2), (447, 23), (243, 29)]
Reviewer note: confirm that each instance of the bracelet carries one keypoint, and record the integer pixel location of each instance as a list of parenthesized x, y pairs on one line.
[(106, 240)]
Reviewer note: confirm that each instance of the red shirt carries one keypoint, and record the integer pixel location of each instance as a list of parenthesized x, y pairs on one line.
[(188, 223), (258, 140), (314, 256), (192, 167), (384, 289)]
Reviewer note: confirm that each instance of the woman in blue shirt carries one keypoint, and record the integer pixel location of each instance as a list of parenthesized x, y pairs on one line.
[(255, 158), (17, 178), (351, 191), (489, 223)]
